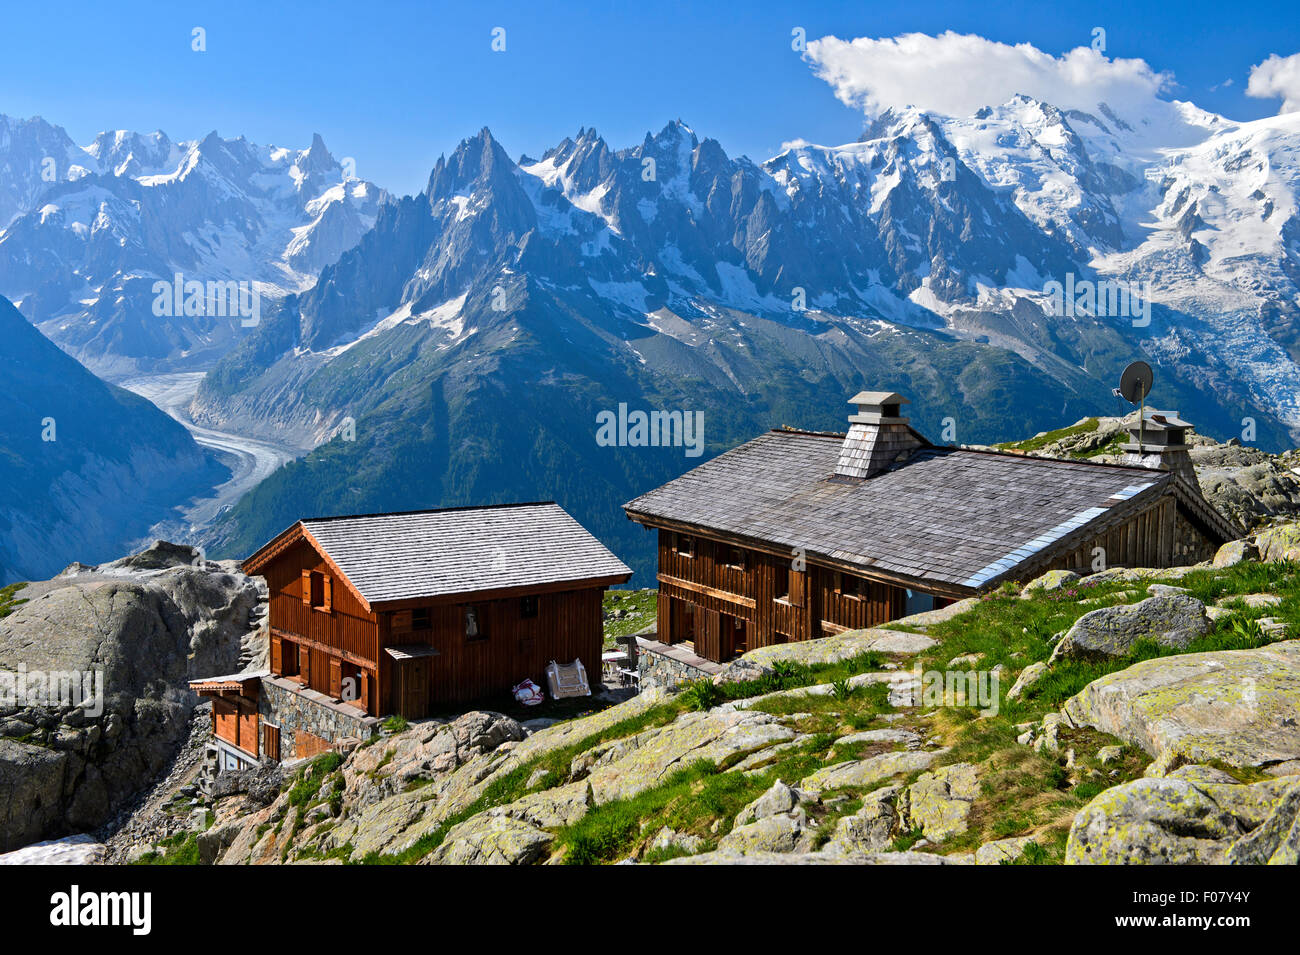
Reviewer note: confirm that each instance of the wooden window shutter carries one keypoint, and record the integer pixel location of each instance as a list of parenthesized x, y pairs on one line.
[(328, 602), (277, 656), (306, 587), (336, 677), (797, 586), (271, 741)]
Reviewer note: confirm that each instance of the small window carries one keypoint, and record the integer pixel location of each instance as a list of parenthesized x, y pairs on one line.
[(473, 625), (317, 590), (527, 607), (794, 589), (421, 619), (734, 557), (852, 587), (685, 545)]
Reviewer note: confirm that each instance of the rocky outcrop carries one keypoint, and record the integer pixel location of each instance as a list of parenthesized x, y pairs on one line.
[(1279, 543), (866, 772), (939, 801), (1240, 707), (1181, 821), (141, 629), (1171, 620), (832, 649)]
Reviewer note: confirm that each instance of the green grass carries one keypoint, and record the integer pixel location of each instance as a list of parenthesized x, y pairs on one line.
[(639, 609), (307, 781), (1025, 791), (9, 601), (1050, 437), (180, 849)]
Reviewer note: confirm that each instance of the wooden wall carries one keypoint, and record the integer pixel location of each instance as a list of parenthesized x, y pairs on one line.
[(1160, 536), (720, 592), (234, 719), (344, 632), (347, 625), (568, 626)]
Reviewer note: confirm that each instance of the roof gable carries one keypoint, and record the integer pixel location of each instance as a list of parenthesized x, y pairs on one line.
[(436, 553)]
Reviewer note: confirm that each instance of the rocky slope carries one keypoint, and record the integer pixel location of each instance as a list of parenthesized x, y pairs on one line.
[(85, 467), (142, 627), (838, 750)]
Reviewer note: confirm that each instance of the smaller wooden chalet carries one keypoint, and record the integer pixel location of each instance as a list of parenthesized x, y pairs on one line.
[(798, 534), (410, 613)]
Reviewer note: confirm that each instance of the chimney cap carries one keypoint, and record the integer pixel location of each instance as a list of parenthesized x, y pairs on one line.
[(1157, 420), (878, 398)]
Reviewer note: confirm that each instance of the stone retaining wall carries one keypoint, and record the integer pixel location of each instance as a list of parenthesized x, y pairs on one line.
[(296, 710)]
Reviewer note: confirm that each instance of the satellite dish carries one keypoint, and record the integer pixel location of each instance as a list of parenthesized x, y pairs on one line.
[(1134, 386), (1135, 383)]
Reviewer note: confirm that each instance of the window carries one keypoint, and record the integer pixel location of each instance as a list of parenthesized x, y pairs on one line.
[(734, 557), (317, 590), (685, 545), (527, 607), (473, 625), (421, 619), (852, 587), (794, 588)]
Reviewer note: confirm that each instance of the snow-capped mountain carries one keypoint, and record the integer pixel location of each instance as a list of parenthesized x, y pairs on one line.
[(490, 318), (89, 230)]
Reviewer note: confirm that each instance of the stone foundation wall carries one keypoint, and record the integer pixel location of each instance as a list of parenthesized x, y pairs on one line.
[(655, 669), (296, 710)]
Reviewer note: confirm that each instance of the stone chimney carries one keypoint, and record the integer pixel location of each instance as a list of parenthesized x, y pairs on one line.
[(1159, 441), (878, 435)]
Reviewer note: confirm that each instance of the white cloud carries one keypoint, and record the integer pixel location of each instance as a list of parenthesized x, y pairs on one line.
[(956, 74), (1278, 76)]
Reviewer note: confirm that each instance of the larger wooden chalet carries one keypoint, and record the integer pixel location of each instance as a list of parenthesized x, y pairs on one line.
[(408, 613), (799, 534)]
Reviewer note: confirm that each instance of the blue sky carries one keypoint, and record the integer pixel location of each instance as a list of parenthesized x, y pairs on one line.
[(395, 84)]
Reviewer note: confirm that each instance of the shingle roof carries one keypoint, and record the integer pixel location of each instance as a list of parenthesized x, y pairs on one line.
[(462, 550), (954, 516)]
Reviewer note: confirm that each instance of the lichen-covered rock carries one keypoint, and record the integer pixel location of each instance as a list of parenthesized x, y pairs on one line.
[(779, 799), (1028, 677), (939, 802), (862, 773), (625, 767), (832, 649), (1052, 580), (784, 832), (1234, 552), (1174, 620), (1240, 707), (489, 839), (1279, 543), (1003, 850), (669, 838), (1177, 821), (872, 828)]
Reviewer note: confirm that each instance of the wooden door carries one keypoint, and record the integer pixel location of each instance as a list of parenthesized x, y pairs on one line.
[(411, 682)]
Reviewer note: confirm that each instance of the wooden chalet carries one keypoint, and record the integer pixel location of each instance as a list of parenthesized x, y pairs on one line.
[(797, 534), (412, 612)]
